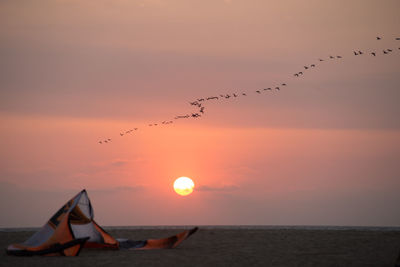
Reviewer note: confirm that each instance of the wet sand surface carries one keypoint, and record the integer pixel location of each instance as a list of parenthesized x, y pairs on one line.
[(233, 247)]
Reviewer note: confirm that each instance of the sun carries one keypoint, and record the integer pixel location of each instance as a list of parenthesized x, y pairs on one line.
[(183, 186)]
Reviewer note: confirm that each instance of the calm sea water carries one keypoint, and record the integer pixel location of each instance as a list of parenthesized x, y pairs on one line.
[(233, 227)]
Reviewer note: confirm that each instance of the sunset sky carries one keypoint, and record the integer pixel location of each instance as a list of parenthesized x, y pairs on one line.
[(324, 150)]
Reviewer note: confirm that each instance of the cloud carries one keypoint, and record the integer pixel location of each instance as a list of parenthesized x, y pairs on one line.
[(119, 163), (118, 189), (122, 162), (224, 188)]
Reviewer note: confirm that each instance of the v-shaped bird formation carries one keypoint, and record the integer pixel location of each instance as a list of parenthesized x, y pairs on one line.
[(200, 103)]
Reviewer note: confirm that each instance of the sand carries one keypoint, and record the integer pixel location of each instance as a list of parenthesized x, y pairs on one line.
[(234, 247)]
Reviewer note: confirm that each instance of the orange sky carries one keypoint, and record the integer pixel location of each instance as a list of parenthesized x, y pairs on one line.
[(323, 150)]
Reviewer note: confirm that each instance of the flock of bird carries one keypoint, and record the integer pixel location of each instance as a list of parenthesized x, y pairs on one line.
[(199, 103)]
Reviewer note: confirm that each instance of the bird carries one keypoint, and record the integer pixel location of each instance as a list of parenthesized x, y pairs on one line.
[(182, 117), (201, 109)]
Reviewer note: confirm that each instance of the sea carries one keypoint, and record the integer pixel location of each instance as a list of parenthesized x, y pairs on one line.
[(231, 227)]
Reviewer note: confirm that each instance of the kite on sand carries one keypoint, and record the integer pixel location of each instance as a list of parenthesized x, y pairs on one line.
[(72, 228)]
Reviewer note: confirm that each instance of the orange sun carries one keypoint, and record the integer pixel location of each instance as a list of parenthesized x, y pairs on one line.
[(183, 186)]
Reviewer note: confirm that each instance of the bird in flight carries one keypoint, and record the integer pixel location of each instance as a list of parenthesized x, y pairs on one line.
[(201, 107)]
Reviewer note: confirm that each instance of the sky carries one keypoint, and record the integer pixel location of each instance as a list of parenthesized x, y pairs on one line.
[(323, 150)]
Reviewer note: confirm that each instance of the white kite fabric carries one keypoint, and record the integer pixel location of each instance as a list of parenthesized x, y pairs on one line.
[(72, 228)]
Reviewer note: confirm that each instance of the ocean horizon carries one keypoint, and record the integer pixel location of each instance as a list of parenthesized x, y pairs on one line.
[(229, 227)]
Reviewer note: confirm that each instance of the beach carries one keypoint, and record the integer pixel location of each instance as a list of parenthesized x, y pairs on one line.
[(233, 247)]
